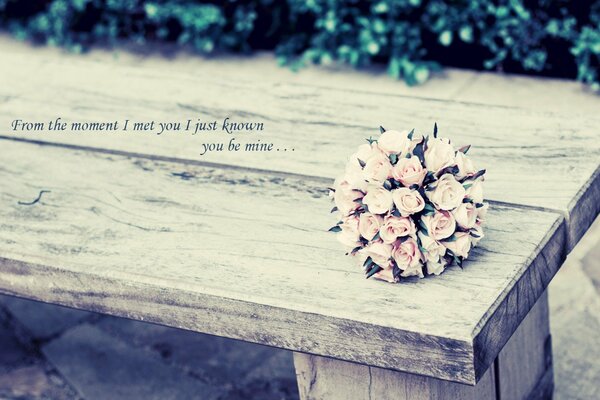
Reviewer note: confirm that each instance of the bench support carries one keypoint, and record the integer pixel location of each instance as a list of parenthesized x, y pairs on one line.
[(522, 371)]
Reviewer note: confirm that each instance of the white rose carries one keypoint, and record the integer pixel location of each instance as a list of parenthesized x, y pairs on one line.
[(465, 215), (369, 224), (464, 164), (409, 171), (407, 254), (414, 270), (354, 178), (439, 225), (476, 234), (364, 152), (439, 154), (435, 267), (448, 193), (395, 227), (344, 196), (434, 250), (349, 235), (461, 245), (377, 168), (394, 142), (407, 201), (378, 200), (482, 211), (379, 252), (385, 275), (475, 192)]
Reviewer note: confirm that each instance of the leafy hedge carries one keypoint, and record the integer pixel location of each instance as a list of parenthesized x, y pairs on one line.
[(413, 37)]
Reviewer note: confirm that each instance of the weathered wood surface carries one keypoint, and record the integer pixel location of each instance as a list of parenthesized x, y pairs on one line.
[(523, 364), (522, 371), (321, 378), (246, 255), (539, 159)]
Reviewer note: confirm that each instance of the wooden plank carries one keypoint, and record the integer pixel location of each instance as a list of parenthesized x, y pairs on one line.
[(323, 125), (322, 378), (246, 255), (527, 356)]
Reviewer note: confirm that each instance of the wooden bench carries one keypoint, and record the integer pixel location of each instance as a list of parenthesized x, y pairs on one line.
[(235, 245)]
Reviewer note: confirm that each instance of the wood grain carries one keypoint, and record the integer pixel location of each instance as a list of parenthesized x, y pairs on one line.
[(246, 255), (539, 159), (523, 362), (321, 378)]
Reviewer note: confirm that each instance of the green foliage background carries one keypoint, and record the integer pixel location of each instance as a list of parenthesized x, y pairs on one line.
[(413, 37)]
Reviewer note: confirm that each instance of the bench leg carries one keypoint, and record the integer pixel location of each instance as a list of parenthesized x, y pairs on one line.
[(522, 371), (525, 363), (322, 378)]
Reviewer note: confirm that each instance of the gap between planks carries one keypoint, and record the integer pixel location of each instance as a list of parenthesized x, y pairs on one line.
[(187, 161)]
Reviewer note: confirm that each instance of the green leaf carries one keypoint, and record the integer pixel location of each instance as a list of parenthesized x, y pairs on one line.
[(335, 229), (368, 262), (435, 130), (428, 209), (452, 238), (419, 152), (410, 134), (361, 163), (376, 268), (393, 158), (464, 149), (334, 209), (381, 129), (423, 227)]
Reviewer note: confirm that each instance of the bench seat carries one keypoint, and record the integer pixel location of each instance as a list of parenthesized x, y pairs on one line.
[(142, 226), (248, 256)]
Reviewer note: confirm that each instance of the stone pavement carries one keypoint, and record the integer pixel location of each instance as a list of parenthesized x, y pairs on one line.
[(50, 352)]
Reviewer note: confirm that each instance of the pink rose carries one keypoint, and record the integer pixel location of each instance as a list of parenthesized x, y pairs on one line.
[(377, 168), (461, 245), (349, 236), (369, 225), (378, 200), (407, 201), (465, 215), (379, 252), (406, 254), (395, 227), (409, 171), (439, 225), (439, 154), (394, 142), (448, 193)]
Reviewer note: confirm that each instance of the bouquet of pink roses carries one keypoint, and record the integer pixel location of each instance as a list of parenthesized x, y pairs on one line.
[(409, 205)]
